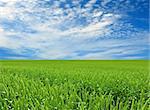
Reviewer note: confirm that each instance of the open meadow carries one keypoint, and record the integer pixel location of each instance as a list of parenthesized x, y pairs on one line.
[(74, 85)]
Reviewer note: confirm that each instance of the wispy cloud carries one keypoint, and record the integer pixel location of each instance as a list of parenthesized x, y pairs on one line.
[(62, 29)]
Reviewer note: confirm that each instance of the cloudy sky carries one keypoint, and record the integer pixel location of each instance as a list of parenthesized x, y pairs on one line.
[(74, 29)]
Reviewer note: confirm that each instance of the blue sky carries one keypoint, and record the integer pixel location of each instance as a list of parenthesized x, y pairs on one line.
[(74, 29)]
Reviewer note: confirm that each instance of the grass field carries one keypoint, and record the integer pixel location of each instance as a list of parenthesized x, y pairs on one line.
[(74, 85)]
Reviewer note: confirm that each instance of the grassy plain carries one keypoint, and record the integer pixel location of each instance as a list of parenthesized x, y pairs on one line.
[(74, 85)]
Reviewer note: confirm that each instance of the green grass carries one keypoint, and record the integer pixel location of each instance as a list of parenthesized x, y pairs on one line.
[(74, 85)]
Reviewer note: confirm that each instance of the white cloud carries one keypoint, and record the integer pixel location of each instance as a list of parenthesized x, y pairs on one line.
[(1, 30), (59, 33), (7, 12), (104, 2), (97, 13), (90, 3)]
